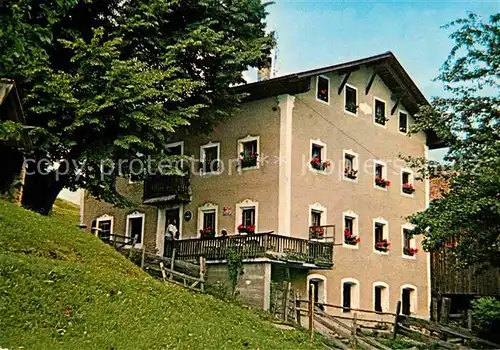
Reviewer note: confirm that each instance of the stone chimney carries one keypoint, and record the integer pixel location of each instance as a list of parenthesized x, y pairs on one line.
[(265, 71)]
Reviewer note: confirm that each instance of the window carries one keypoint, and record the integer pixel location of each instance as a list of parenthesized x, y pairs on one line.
[(323, 89), (403, 122), (351, 238), (209, 162), (409, 242), (351, 99), (135, 227), (247, 216), (320, 288), (380, 232), (380, 296), (318, 155), (350, 294), (380, 112), (207, 220), (248, 150), (408, 299), (380, 174), (317, 219), (350, 165), (104, 225), (407, 182), (175, 149)]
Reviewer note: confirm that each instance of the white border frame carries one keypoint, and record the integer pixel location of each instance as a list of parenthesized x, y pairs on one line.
[(207, 207), (105, 217), (247, 203), (384, 173), (380, 220), (355, 300), (413, 241), (355, 165), (407, 121), (329, 89), (345, 97), (210, 144), (384, 297), (412, 182), (355, 228), (136, 214), (413, 299), (324, 218), (249, 138), (323, 296), (324, 153), (385, 112)]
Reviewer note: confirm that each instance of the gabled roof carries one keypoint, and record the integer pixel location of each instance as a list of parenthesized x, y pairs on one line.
[(385, 65)]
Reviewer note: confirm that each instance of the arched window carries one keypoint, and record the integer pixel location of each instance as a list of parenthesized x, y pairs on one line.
[(408, 299), (320, 287), (350, 294), (380, 296)]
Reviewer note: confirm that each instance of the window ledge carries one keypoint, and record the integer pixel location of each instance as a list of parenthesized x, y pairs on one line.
[(409, 257), (210, 174), (249, 168), (380, 125), (380, 188), (316, 171), (350, 246), (345, 178), (346, 112), (326, 103), (407, 195), (379, 252)]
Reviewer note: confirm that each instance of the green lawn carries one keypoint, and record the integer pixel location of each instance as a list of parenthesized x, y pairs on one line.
[(60, 287)]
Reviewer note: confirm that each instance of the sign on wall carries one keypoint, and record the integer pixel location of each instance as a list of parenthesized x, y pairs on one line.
[(227, 211), (188, 215)]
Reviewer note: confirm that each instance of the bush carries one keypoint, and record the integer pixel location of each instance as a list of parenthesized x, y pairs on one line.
[(486, 318)]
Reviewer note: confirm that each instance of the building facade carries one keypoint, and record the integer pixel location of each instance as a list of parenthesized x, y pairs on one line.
[(311, 163)]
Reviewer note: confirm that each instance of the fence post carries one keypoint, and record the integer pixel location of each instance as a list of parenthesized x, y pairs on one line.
[(469, 319), (396, 320), (445, 310), (134, 241), (285, 301), (202, 273), (163, 271), (297, 304), (143, 256), (311, 310), (172, 263), (354, 330)]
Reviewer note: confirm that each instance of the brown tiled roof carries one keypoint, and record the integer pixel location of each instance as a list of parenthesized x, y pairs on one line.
[(438, 186)]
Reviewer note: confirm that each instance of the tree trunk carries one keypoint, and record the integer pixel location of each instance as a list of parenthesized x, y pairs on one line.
[(40, 191)]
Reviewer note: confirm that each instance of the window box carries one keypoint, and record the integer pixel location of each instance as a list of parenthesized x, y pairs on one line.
[(380, 117), (382, 246), (248, 149), (351, 173), (408, 188), (248, 161), (250, 229), (349, 238), (382, 182), (317, 164), (410, 251), (316, 232), (207, 232)]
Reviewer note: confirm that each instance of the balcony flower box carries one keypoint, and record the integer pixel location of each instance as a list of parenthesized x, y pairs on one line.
[(350, 239), (317, 164), (382, 182), (408, 188), (382, 246), (207, 232), (410, 251), (351, 173), (316, 232), (248, 161), (250, 229)]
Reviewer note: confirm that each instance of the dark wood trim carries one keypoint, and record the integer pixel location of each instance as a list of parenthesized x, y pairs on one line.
[(395, 105), (344, 81), (370, 82)]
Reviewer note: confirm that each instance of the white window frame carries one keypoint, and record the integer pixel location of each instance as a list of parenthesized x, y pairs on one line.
[(350, 152), (411, 178), (355, 302), (202, 158), (136, 214), (323, 146), (249, 138), (413, 241), (105, 217), (175, 144), (322, 293), (413, 297), (329, 89), (385, 110), (384, 173), (208, 207), (324, 212), (384, 296), (407, 122), (345, 100), (247, 203), (385, 233), (355, 228)]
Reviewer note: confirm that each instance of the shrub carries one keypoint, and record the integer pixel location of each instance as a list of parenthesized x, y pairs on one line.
[(486, 318)]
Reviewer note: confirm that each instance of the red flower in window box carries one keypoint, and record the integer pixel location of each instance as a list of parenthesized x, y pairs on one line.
[(410, 251), (246, 229), (408, 188), (382, 182), (317, 164), (349, 238), (382, 246), (316, 232), (207, 232), (248, 161)]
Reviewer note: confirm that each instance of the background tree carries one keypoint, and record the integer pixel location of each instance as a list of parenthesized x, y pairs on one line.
[(468, 121), (114, 79)]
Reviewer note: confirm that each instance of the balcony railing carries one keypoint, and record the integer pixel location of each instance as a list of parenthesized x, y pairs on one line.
[(260, 245), (167, 189)]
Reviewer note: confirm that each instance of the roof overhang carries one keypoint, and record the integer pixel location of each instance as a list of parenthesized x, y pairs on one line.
[(385, 65)]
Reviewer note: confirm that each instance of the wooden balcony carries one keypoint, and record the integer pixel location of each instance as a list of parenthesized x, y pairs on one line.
[(162, 189), (299, 252)]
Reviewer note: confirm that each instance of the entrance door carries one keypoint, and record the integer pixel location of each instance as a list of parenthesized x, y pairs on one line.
[(171, 218), (405, 296)]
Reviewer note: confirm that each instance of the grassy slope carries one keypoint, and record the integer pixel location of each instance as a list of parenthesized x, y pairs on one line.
[(61, 287)]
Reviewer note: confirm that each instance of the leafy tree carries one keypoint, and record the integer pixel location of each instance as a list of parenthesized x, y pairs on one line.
[(486, 318), (114, 79), (468, 121)]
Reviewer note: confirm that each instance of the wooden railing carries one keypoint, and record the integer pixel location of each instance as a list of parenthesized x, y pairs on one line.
[(323, 232), (169, 187), (257, 245)]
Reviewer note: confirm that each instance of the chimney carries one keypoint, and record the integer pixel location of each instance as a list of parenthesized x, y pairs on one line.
[(265, 71)]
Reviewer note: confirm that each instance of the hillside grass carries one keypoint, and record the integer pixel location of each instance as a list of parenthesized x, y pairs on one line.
[(60, 287)]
